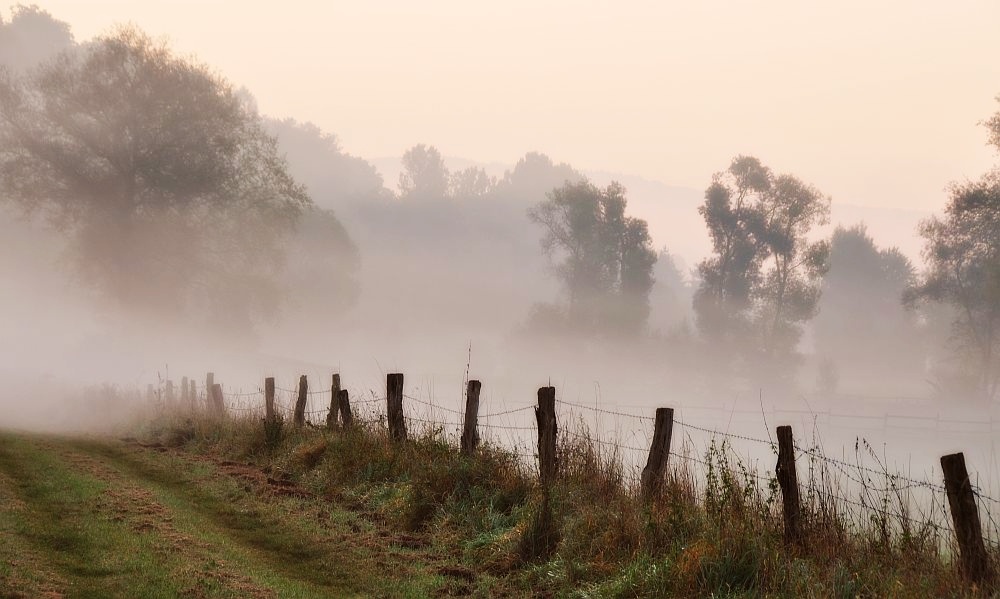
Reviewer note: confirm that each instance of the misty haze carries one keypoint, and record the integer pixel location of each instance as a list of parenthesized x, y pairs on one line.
[(388, 300)]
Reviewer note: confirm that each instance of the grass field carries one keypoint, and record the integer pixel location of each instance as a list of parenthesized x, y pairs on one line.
[(201, 508), (100, 518)]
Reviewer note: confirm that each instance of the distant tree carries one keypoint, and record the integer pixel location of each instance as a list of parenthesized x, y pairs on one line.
[(993, 126), (794, 267), (534, 176), (322, 264), (863, 328), (334, 178), (471, 183), (962, 252), (733, 216), (670, 299), (762, 281), (604, 258), (165, 180), (424, 174), (31, 36)]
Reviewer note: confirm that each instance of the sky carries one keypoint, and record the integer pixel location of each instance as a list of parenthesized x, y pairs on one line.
[(875, 103)]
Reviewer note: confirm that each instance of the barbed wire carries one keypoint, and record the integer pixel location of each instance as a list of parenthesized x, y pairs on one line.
[(843, 467), (507, 427), (604, 411), (238, 395), (435, 406), (434, 422), (724, 434), (816, 455), (614, 444), (506, 412)]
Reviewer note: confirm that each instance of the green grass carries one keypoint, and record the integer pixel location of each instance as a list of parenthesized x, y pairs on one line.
[(316, 513), (63, 529), (193, 532)]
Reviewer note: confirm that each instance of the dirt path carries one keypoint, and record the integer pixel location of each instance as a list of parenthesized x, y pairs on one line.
[(98, 518)]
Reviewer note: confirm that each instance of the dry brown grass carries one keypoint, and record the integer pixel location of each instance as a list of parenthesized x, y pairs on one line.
[(715, 528)]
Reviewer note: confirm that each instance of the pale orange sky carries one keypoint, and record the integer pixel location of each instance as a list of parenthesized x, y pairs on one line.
[(875, 103)]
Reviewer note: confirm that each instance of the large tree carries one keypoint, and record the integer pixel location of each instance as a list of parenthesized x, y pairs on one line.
[(762, 281), (159, 173), (31, 36), (962, 252), (603, 257)]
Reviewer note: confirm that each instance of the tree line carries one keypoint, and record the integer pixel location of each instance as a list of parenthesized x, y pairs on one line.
[(157, 169)]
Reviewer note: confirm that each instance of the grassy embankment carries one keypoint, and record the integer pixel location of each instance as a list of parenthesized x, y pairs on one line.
[(203, 508)]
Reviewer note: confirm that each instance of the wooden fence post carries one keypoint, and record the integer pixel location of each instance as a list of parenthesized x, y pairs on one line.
[(394, 406), (184, 391), (170, 393), (219, 402), (299, 415), (470, 433), (787, 479), (209, 386), (659, 450), (545, 415), (965, 516), (344, 405), (331, 416), (193, 395), (269, 399)]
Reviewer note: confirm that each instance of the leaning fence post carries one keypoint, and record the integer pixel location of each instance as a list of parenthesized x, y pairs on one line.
[(787, 479), (394, 406), (300, 403), (965, 516), (209, 385), (545, 415), (659, 450), (470, 434), (220, 403), (269, 399), (344, 405), (331, 416)]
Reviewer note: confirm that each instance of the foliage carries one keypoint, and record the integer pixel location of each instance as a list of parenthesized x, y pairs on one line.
[(962, 251), (533, 177), (334, 178), (322, 266), (31, 36), (670, 299), (172, 192), (862, 327), (424, 175), (471, 183), (993, 126), (763, 279), (605, 258)]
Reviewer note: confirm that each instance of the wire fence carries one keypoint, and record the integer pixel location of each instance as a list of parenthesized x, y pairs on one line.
[(855, 489)]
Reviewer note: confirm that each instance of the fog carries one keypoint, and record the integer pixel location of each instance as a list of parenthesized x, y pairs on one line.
[(435, 265)]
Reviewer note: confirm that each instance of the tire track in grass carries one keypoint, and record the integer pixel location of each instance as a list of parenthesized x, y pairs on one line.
[(24, 572), (275, 529), (52, 519), (92, 531)]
